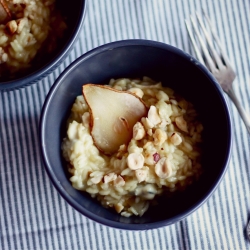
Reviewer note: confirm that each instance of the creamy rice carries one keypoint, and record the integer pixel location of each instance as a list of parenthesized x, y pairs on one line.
[(33, 26), (166, 143)]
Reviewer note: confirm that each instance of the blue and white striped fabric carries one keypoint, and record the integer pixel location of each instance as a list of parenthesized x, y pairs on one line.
[(34, 216)]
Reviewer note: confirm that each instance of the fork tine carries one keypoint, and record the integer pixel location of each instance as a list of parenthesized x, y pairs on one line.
[(211, 65), (210, 43), (217, 40), (196, 49)]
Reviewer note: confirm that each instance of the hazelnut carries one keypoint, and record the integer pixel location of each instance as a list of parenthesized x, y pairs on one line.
[(135, 161), (175, 139), (163, 168), (153, 115), (138, 131)]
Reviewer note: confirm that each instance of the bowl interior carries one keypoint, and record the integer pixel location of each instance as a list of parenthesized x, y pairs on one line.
[(174, 69), (43, 65)]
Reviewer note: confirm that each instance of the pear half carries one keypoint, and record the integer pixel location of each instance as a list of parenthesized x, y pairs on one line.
[(113, 113)]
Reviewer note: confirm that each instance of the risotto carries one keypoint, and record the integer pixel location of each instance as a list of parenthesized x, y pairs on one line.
[(27, 27), (163, 154)]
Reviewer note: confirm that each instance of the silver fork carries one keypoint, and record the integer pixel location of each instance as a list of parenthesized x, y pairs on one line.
[(216, 62)]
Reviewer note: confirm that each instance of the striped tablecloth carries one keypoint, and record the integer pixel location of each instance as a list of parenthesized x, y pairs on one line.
[(34, 216)]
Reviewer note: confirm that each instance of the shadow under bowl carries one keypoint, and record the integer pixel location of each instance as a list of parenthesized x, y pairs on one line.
[(175, 69)]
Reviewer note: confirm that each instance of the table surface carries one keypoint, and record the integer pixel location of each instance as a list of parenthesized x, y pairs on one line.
[(34, 216)]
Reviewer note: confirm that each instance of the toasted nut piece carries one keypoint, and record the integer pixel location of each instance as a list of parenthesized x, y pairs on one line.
[(137, 92), (149, 151), (153, 115), (133, 147), (11, 26), (141, 174), (138, 131), (109, 177), (159, 136), (135, 161), (118, 207), (163, 168), (149, 159), (122, 149), (181, 123), (146, 123), (176, 139), (119, 182)]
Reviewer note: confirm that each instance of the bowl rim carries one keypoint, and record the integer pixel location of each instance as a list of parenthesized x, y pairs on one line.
[(40, 73), (49, 169)]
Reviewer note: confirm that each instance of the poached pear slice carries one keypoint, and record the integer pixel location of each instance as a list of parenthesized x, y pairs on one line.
[(113, 113)]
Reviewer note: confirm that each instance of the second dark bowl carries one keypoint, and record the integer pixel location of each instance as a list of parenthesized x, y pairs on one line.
[(74, 19)]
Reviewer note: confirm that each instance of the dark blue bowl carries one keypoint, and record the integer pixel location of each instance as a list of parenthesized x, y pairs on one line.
[(74, 20), (137, 58)]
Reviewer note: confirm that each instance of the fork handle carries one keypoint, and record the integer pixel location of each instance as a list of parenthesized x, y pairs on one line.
[(243, 114)]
